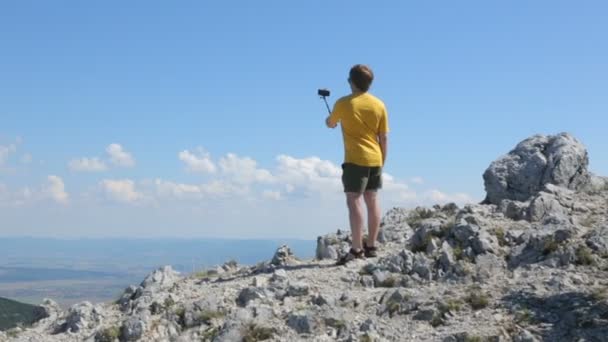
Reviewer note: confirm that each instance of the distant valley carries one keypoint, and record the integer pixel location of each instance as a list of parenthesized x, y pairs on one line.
[(98, 270)]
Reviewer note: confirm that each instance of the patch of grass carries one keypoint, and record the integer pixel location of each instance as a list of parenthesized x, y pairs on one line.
[(458, 252), (477, 299), (365, 338), (12, 333), (447, 226), (584, 256), (390, 281), (417, 215), (524, 317), (202, 274), (589, 221), (436, 321), (422, 247), (108, 334), (208, 315), (451, 305), (600, 294), (180, 312), (210, 334), (473, 338), (255, 332), (393, 307), (169, 302), (500, 236), (549, 246)]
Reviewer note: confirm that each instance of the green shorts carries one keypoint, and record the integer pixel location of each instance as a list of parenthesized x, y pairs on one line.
[(356, 178)]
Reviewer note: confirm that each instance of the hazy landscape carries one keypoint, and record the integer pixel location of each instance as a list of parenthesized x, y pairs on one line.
[(98, 270)]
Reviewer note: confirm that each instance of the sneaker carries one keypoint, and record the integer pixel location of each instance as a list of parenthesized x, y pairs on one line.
[(370, 252), (350, 256)]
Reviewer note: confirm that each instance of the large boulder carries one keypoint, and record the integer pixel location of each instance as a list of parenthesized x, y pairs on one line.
[(539, 160)]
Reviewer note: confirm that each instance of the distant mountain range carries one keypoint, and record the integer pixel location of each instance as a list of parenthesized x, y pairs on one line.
[(13, 313)]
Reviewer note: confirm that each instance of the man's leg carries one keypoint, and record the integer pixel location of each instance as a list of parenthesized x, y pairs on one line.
[(355, 215), (373, 216)]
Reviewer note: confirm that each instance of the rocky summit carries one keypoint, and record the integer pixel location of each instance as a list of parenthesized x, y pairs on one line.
[(529, 263)]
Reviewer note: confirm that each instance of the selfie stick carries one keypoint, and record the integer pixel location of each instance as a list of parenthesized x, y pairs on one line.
[(326, 104)]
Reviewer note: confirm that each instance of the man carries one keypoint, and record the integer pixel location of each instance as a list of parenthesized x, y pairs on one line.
[(364, 124)]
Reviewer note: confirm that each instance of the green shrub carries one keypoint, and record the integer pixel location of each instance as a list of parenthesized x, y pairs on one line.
[(208, 315), (108, 334), (550, 246), (417, 215), (524, 317), (500, 236), (584, 256), (254, 333), (473, 338), (600, 294), (477, 299), (210, 334)]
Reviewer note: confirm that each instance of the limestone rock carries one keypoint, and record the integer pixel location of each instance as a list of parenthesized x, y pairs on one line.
[(559, 159)]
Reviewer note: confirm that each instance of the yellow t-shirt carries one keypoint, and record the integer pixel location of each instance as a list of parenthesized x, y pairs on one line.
[(362, 117)]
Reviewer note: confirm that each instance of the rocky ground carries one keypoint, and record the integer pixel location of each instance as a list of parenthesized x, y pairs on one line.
[(530, 263)]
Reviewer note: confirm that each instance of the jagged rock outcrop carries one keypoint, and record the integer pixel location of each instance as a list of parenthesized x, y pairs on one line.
[(539, 160), (529, 264)]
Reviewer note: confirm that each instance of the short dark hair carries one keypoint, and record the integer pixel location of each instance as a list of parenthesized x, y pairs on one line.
[(361, 76)]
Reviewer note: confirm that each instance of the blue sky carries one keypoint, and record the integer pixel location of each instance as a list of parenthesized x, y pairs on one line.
[(200, 118)]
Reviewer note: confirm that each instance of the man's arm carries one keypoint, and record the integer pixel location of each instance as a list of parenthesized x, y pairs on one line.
[(383, 141)]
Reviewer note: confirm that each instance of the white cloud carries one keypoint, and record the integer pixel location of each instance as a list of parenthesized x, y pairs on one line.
[(273, 195), (55, 189), (214, 189), (26, 158), (197, 163), (6, 151), (119, 156), (122, 190), (417, 180), (87, 165), (439, 197), (244, 170), (311, 174)]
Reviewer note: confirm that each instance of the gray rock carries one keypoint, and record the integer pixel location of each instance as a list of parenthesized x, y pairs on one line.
[(127, 297), (598, 240), (426, 230), (81, 316), (279, 275), (302, 322), (514, 210), (161, 278), (545, 205), (248, 294), (446, 258), (367, 281), (368, 325), (425, 315), (422, 267), (132, 329), (326, 247), (432, 246), (407, 265), (558, 159), (298, 289), (484, 243), (525, 336), (321, 299), (283, 256), (465, 232)]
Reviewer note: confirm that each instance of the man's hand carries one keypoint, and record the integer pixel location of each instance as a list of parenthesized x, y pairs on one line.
[(329, 124)]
